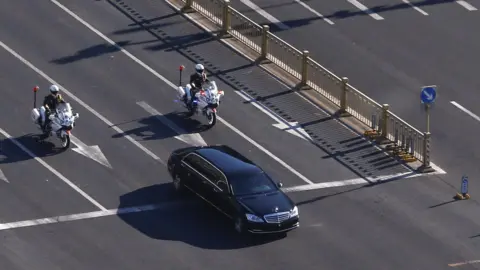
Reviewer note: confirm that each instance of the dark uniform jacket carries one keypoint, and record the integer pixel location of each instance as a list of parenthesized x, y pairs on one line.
[(198, 80), (50, 102)]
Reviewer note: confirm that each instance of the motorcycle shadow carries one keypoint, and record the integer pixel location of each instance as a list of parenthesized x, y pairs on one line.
[(158, 127), (191, 122), (35, 143)]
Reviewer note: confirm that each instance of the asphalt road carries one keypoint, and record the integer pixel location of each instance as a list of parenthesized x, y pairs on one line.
[(368, 227), (391, 59)]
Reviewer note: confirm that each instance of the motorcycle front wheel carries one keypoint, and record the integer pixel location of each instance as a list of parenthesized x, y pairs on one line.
[(211, 118), (65, 139)]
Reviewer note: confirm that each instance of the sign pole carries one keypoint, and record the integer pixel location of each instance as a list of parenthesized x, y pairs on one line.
[(427, 97), (427, 110)]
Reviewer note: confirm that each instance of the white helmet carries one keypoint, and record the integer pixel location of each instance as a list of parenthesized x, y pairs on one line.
[(54, 89), (199, 68)]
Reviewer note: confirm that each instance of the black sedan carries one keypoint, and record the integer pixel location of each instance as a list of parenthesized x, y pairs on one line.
[(235, 186)]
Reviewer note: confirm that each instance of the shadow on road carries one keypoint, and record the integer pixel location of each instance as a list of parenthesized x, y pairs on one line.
[(345, 14), (191, 221), (444, 203), (157, 127), (11, 153)]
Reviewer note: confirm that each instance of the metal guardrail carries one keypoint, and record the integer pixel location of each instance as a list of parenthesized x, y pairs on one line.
[(408, 142)]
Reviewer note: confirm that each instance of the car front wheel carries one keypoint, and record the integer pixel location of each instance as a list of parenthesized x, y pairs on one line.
[(239, 225), (177, 183)]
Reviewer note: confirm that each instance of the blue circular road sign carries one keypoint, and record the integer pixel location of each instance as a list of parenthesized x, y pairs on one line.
[(428, 95)]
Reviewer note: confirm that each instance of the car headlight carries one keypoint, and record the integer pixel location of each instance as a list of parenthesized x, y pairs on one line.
[(294, 212), (253, 218)]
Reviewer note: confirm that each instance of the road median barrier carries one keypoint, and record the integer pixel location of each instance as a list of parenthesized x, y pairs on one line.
[(296, 67)]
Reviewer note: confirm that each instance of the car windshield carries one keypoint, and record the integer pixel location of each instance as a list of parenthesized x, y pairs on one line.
[(248, 183)]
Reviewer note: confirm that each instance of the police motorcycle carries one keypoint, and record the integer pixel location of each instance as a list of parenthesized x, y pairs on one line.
[(206, 100), (61, 123)]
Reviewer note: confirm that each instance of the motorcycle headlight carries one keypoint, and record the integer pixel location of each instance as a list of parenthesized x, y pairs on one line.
[(294, 212), (253, 218)]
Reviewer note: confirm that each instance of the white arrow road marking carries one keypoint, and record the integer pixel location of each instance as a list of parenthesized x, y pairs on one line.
[(193, 139), (295, 129), (92, 152), (3, 177), (290, 127)]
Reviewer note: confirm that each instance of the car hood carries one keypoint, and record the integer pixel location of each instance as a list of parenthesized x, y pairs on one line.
[(262, 204)]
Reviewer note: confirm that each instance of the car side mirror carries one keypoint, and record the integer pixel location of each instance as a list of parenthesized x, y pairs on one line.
[(279, 184)]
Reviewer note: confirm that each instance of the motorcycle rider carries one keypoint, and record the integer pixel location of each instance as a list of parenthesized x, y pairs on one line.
[(50, 103), (197, 79)]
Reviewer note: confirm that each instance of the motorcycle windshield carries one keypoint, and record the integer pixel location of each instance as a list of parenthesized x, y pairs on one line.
[(64, 108), (212, 87), (64, 113)]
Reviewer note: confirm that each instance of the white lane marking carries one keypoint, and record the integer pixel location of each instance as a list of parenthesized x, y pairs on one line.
[(474, 116), (437, 169), (314, 12), (365, 9), (466, 5), (3, 177), (93, 152), (265, 14), (79, 101), (358, 181), (193, 139), (265, 151), (463, 263), (51, 169), (88, 215), (416, 8), (290, 127), (138, 61)]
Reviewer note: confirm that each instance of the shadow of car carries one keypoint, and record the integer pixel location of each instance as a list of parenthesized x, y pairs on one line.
[(175, 217)]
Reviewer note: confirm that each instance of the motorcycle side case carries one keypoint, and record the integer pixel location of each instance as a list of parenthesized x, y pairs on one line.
[(35, 115)]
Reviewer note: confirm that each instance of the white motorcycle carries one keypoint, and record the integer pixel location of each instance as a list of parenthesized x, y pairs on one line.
[(206, 100), (61, 123)]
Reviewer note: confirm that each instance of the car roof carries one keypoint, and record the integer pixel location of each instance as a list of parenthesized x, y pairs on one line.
[(228, 160)]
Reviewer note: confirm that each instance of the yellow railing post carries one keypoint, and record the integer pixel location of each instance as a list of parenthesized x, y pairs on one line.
[(263, 53), (304, 68), (426, 167), (187, 6), (384, 121), (226, 17), (343, 96)]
